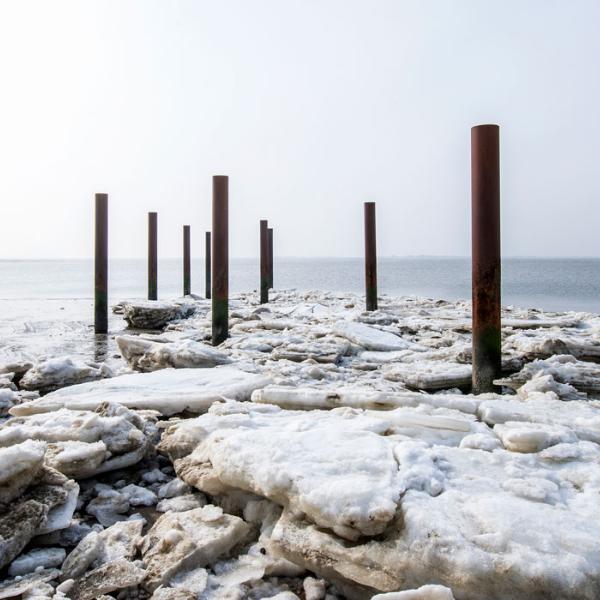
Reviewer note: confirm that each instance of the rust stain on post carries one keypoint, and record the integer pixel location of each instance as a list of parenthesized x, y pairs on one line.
[(152, 257), (370, 256), (270, 230), (101, 265), (187, 276), (220, 259), (207, 264), (264, 262), (486, 273)]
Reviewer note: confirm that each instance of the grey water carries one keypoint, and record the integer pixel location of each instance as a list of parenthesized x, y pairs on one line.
[(550, 283)]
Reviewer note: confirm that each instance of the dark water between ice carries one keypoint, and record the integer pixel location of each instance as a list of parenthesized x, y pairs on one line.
[(554, 284)]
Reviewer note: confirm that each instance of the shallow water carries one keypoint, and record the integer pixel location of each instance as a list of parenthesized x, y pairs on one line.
[(552, 284), (46, 307)]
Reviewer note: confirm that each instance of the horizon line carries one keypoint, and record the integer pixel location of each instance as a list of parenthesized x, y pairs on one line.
[(296, 257)]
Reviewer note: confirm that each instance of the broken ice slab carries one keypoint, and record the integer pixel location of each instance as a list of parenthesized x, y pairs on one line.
[(303, 398), (168, 391), (562, 369), (146, 355), (153, 314), (82, 443), (371, 338)]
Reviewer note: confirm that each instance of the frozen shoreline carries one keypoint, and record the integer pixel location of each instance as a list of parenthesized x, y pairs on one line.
[(320, 452)]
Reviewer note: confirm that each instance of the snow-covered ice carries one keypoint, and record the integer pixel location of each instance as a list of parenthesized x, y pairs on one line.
[(168, 391), (334, 458)]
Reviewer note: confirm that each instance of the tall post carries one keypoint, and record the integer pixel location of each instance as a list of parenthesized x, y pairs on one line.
[(485, 219), (152, 257), (207, 264), (370, 256), (264, 262), (187, 276), (270, 257), (220, 259), (101, 265)]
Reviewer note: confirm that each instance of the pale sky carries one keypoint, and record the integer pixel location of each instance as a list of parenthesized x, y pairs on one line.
[(311, 107)]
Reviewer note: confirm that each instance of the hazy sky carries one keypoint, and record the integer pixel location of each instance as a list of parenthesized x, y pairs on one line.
[(311, 107)]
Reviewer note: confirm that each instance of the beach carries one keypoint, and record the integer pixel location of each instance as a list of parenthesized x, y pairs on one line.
[(321, 451)]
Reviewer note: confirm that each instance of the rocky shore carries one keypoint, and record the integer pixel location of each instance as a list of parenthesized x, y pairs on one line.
[(320, 453)]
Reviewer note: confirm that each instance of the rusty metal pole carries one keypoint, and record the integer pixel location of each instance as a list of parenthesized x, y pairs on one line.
[(207, 264), (264, 262), (101, 265), (370, 257), (152, 257), (187, 276), (220, 259), (485, 219), (270, 231)]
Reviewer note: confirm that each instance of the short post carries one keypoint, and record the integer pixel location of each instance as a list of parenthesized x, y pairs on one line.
[(152, 257), (264, 262), (220, 259), (101, 265), (370, 256), (486, 275), (207, 264), (270, 258), (187, 276)]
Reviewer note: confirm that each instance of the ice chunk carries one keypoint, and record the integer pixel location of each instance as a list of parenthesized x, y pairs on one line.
[(116, 542), (19, 466), (300, 398), (371, 338), (532, 437), (334, 466), (56, 373), (169, 391), (178, 541), (426, 592), (144, 355), (34, 559), (112, 576), (82, 443), (151, 314)]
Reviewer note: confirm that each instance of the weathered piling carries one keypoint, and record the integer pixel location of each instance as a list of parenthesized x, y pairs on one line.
[(220, 259), (370, 257), (101, 265), (270, 230), (264, 262), (485, 219), (207, 265), (187, 275), (152, 257)]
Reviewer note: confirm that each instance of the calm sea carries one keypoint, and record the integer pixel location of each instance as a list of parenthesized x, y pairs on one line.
[(553, 284)]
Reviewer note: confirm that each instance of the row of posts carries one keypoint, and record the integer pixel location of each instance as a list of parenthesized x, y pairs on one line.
[(486, 272)]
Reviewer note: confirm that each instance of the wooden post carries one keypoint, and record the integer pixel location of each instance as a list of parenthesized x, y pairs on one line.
[(370, 256), (264, 262), (101, 265), (270, 258), (486, 272), (220, 259), (152, 257), (207, 265), (187, 277)]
